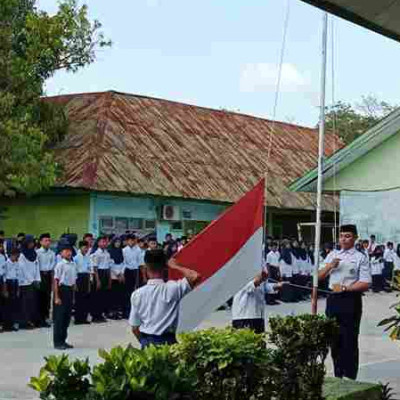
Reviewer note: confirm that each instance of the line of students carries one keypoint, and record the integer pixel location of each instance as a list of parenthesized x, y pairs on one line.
[(106, 275)]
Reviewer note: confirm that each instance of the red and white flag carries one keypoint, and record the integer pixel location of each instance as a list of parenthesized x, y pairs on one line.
[(227, 254)]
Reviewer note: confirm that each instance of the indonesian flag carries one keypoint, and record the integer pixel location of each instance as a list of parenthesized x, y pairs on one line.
[(227, 254)]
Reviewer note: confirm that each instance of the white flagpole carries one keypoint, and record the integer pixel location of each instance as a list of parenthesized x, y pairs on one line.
[(314, 299)]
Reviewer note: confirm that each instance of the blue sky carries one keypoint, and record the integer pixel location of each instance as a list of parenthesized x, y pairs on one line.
[(225, 54)]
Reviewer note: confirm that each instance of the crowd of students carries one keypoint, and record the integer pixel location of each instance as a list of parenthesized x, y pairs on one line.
[(107, 269)]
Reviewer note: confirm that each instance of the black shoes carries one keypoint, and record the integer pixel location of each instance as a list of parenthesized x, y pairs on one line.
[(64, 346)]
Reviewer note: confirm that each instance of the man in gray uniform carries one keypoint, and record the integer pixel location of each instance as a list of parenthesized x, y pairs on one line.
[(349, 276)]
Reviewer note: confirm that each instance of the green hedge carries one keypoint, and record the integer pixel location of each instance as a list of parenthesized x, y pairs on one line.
[(340, 389), (285, 364)]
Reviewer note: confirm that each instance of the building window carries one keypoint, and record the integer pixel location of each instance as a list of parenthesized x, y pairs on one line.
[(176, 226), (135, 223), (150, 224), (187, 214), (121, 224), (106, 223)]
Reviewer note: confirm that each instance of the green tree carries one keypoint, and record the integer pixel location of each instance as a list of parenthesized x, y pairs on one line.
[(33, 47), (350, 121)]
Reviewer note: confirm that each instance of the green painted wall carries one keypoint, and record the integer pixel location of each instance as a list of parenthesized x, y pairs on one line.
[(55, 214), (377, 170)]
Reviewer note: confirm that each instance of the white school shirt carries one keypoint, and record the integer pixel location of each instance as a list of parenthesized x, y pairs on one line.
[(376, 266), (296, 265), (141, 256), (28, 271), (46, 259), (82, 263), (155, 306), (65, 273), (132, 257), (12, 270), (100, 259), (389, 255), (286, 270), (3, 262), (305, 266), (249, 302), (273, 258), (353, 267), (117, 270)]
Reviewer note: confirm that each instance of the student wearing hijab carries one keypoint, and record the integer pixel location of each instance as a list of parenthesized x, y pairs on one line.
[(117, 278), (376, 263), (305, 269), (286, 271), (296, 267), (29, 283)]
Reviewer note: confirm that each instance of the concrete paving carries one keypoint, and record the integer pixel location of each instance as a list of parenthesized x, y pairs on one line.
[(21, 353)]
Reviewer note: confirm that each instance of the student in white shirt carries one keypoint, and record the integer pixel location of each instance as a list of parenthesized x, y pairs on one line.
[(142, 268), (376, 263), (29, 284), (12, 292), (249, 303), (84, 274), (2, 282), (47, 261), (388, 258), (155, 307), (286, 262), (132, 260), (117, 276), (100, 263), (64, 284), (272, 265)]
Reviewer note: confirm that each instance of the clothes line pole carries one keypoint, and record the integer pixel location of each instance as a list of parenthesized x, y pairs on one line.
[(314, 298)]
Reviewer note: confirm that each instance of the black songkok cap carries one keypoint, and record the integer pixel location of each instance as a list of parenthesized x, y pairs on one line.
[(349, 228)]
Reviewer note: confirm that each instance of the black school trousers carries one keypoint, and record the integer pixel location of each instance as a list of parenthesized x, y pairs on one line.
[(44, 294), (346, 309), (101, 298), (255, 324), (62, 315), (12, 304), (29, 305), (131, 284), (82, 297)]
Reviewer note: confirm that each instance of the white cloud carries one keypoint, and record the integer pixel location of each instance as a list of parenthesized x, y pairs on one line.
[(262, 77)]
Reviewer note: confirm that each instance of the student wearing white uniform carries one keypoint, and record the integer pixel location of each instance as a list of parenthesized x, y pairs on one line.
[(100, 262), (117, 277), (388, 258), (376, 264), (2, 282), (142, 269), (249, 304), (131, 254), (272, 265), (47, 261), (12, 291), (155, 307), (29, 283), (286, 269), (64, 285), (349, 276), (82, 295)]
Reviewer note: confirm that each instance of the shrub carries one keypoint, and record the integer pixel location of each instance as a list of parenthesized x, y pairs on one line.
[(287, 363), (303, 344), (229, 364)]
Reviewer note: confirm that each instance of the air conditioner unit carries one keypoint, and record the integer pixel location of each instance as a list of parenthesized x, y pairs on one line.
[(170, 213)]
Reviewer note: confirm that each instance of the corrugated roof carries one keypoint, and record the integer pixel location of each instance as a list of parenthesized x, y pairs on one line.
[(140, 145)]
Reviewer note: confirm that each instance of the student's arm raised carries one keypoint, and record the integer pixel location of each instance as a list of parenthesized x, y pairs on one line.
[(192, 277)]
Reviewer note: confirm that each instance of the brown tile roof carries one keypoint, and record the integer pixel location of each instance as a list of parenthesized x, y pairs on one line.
[(133, 144)]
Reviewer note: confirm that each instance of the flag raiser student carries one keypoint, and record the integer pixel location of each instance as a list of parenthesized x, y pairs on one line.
[(248, 304), (155, 307), (65, 276)]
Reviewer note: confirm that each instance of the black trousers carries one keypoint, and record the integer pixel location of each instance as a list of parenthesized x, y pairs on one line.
[(29, 305), (11, 306), (287, 291), (117, 296), (377, 283), (101, 298), (346, 308), (82, 297), (256, 324), (62, 315), (131, 284), (387, 272), (46, 282)]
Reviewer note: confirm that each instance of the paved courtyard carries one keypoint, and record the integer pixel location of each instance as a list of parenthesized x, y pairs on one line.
[(21, 353)]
